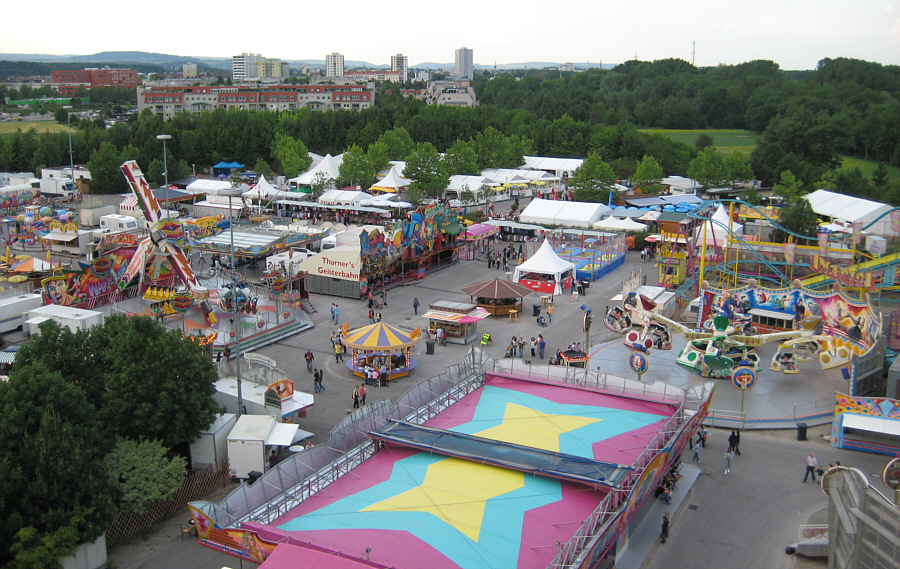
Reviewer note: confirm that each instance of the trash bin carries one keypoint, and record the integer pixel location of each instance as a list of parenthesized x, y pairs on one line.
[(536, 309), (801, 431), (429, 347), (253, 476), (586, 283)]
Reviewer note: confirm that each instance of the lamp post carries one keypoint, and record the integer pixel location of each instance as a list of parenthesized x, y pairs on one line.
[(71, 158), (231, 193), (164, 138)]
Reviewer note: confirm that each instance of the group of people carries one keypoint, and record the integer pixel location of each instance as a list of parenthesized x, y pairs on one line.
[(335, 313), (646, 254), (359, 396), (516, 347), (376, 376), (667, 485), (337, 341), (502, 258)]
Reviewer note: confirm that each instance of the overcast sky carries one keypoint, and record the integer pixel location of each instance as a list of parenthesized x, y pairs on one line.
[(796, 34)]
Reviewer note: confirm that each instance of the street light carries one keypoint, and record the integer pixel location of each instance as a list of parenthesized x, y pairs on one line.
[(164, 138), (231, 193), (71, 159)]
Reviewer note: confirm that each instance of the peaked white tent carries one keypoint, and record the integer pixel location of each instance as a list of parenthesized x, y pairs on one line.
[(344, 197), (619, 224), (393, 182), (545, 271), (263, 190), (715, 232), (328, 167)]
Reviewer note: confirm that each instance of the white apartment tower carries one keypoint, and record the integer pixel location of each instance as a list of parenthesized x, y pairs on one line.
[(244, 66), (334, 65), (465, 67), (400, 64), (189, 70)]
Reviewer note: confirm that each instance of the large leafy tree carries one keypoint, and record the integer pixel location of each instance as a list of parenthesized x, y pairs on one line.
[(738, 165), (425, 169), (53, 488), (106, 175), (292, 154), (143, 473), (648, 175), (378, 155), (398, 142), (144, 380), (709, 168), (356, 170), (461, 159), (496, 150), (593, 180)]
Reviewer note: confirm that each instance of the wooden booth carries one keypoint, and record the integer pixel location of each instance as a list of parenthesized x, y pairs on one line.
[(459, 320)]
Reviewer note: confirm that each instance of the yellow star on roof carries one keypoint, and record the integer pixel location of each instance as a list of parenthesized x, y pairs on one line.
[(449, 493), (529, 427)]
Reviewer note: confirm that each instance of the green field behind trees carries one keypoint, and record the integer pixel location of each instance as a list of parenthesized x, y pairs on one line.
[(11, 127), (725, 140)]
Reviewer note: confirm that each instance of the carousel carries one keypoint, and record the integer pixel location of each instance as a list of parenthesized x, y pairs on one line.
[(381, 344), (497, 296)]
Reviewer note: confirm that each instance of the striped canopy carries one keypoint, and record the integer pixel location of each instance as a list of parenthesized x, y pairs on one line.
[(380, 336)]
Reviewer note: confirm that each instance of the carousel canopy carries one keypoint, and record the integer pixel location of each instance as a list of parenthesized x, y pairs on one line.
[(380, 336), (34, 265), (497, 288)]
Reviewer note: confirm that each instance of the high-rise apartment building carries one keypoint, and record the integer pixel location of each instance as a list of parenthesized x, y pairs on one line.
[(465, 66), (400, 64), (253, 67), (189, 70), (334, 65)]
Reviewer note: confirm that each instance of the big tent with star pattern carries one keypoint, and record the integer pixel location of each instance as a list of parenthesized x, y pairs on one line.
[(407, 508)]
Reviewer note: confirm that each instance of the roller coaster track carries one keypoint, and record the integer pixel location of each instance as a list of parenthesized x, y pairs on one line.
[(706, 206)]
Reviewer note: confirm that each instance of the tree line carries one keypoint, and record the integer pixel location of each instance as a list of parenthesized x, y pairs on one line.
[(806, 120)]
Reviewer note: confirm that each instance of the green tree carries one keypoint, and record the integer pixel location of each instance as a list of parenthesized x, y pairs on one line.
[(739, 169), (292, 154), (398, 142), (880, 176), (709, 168), (648, 175), (752, 196), (593, 180), (378, 155), (797, 216), (106, 174), (461, 159), (143, 474), (262, 168), (355, 170), (425, 169), (788, 187), (704, 141)]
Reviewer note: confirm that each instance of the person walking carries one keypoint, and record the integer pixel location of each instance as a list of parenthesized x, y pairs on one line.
[(356, 397), (533, 347), (443, 336), (416, 306), (362, 394), (696, 457), (729, 455), (338, 352), (643, 254), (316, 380), (309, 357), (541, 346), (522, 347), (664, 528), (371, 316), (550, 313), (337, 313), (702, 435), (733, 442), (811, 464), (737, 443)]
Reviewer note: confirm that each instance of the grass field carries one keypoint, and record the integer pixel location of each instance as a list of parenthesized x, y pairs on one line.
[(867, 167), (10, 127), (726, 141)]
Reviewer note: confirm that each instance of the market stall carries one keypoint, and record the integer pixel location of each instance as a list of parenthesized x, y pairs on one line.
[(546, 272), (498, 297), (381, 344), (459, 320)]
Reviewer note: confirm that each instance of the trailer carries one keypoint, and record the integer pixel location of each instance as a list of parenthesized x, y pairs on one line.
[(14, 310), (211, 446), (73, 318), (250, 443)]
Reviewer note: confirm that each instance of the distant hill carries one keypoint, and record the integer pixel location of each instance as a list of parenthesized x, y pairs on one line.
[(166, 60)]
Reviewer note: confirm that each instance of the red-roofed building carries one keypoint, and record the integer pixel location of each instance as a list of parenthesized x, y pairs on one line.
[(67, 81)]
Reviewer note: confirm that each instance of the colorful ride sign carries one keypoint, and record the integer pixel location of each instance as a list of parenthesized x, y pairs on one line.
[(743, 378), (639, 363)]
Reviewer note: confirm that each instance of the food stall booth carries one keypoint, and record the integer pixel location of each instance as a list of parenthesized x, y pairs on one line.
[(382, 344), (546, 272), (459, 320), (497, 296)]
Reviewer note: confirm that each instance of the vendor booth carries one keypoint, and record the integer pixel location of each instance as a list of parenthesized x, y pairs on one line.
[(381, 344), (459, 320), (498, 297), (546, 272)]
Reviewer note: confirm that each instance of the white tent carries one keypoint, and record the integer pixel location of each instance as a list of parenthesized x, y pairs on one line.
[(344, 197), (840, 207), (392, 182), (547, 266), (203, 186), (716, 233), (478, 185), (263, 190), (327, 169), (567, 214), (619, 224)]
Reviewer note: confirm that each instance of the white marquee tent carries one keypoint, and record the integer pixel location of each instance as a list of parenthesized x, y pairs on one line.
[(619, 224), (715, 231), (565, 213), (328, 169), (393, 182), (548, 265), (840, 207), (344, 197)]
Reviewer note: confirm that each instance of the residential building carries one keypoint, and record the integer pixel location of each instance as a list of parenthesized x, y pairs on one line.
[(455, 93), (244, 66), (168, 101), (373, 75), (400, 65), (465, 66), (189, 70), (334, 65), (255, 67), (67, 81)]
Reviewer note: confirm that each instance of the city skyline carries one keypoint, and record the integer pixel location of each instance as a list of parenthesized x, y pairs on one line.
[(796, 34)]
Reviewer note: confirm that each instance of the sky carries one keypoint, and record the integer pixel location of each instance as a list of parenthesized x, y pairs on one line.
[(796, 34)]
